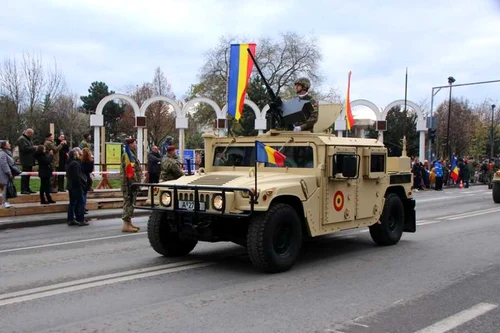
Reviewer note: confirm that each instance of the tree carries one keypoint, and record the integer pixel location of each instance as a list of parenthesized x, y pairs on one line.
[(160, 116), (281, 61), (400, 124), (111, 112), (70, 119), (10, 126), (462, 117), (34, 84), (480, 129), (11, 82)]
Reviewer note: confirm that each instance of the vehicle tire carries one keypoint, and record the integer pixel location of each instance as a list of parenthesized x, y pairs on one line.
[(274, 238), (165, 242), (496, 192), (391, 226)]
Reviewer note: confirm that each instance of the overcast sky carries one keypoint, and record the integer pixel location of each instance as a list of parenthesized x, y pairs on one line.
[(121, 42)]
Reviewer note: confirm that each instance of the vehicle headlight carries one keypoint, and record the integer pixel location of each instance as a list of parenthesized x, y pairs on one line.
[(218, 201), (166, 199)]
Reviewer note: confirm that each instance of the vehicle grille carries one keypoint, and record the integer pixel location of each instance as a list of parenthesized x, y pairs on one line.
[(189, 196), (215, 180)]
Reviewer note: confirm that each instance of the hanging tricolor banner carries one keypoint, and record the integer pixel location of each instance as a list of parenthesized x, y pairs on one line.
[(129, 161), (240, 68), (349, 117), (454, 169)]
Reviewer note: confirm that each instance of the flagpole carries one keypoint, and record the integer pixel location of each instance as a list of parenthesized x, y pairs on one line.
[(406, 87), (255, 173)]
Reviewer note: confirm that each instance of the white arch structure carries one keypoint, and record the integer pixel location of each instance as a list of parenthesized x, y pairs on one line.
[(97, 121), (381, 114), (181, 121)]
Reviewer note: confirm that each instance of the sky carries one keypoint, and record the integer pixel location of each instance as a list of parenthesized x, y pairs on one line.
[(121, 42)]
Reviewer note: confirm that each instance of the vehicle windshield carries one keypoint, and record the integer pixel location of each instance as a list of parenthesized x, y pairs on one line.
[(296, 156)]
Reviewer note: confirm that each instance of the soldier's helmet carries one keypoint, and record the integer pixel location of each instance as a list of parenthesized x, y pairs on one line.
[(304, 82)]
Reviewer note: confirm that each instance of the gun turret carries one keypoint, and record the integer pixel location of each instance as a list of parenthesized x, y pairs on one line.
[(274, 114)]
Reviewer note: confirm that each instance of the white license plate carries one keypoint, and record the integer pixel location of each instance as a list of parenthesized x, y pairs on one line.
[(189, 205)]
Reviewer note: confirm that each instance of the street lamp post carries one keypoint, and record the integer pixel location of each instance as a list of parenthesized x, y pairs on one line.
[(435, 90), (448, 147), (492, 133)]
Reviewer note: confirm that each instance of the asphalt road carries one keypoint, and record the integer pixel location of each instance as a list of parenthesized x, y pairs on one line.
[(444, 278)]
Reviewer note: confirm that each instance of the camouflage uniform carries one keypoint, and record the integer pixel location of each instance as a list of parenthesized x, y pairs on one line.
[(311, 116), (85, 144), (170, 168), (128, 209), (50, 145)]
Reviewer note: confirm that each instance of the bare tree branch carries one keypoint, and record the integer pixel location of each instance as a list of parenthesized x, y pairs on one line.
[(34, 82), (11, 82)]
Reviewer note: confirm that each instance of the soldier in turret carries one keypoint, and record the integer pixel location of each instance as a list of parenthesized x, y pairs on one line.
[(309, 110), (170, 167), (302, 86)]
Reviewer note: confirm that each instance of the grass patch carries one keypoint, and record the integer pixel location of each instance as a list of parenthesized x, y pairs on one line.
[(35, 183)]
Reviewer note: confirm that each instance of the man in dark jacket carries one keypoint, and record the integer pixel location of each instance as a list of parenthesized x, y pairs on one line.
[(75, 183), (154, 161), (63, 157), (26, 158)]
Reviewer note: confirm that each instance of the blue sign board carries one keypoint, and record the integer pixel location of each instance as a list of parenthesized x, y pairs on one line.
[(188, 154)]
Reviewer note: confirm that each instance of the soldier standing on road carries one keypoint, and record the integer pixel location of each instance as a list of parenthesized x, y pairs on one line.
[(129, 195), (302, 86), (170, 166)]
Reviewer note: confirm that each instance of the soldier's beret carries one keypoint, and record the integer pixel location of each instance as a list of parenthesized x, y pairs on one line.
[(48, 135), (170, 148), (130, 140)]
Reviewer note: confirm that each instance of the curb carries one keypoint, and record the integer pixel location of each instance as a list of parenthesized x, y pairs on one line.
[(40, 220)]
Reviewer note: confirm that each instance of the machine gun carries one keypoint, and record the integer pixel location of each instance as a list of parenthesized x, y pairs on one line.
[(274, 114), (283, 114)]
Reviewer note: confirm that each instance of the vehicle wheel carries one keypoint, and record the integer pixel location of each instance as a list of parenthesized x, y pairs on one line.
[(391, 226), (274, 239), (165, 242), (496, 192)]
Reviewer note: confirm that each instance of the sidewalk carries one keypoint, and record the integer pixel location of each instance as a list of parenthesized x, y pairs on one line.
[(37, 220)]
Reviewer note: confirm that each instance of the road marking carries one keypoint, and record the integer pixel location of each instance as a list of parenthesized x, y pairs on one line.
[(433, 199), (428, 222), (97, 281), (470, 214), (358, 324), (70, 242), (458, 319)]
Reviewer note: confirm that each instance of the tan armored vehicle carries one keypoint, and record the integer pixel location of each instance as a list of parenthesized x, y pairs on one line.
[(496, 186), (328, 184)]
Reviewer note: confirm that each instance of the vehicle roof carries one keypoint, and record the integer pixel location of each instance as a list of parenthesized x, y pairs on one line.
[(300, 137)]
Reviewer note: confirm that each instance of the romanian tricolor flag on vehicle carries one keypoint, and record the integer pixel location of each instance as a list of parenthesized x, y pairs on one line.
[(454, 169), (266, 154), (349, 117), (129, 161), (240, 68)]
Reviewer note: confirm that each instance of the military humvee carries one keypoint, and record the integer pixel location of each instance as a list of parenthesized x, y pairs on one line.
[(496, 186), (328, 184)]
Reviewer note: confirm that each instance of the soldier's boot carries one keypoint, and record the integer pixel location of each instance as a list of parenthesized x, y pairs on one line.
[(127, 227), (133, 226)]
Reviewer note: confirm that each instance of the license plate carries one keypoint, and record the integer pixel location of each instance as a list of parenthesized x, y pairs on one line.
[(189, 205)]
